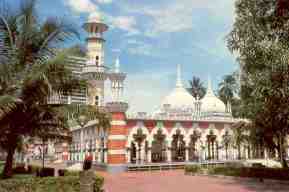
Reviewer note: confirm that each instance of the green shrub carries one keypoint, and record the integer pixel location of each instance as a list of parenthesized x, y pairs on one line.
[(192, 168), (71, 173), (32, 169), (36, 184), (98, 183)]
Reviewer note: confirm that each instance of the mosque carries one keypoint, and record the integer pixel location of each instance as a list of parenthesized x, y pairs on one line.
[(182, 129)]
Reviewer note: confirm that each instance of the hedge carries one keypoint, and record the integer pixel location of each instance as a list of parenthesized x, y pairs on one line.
[(255, 172), (46, 184)]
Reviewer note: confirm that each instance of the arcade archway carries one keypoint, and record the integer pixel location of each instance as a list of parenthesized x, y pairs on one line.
[(158, 149), (178, 147)]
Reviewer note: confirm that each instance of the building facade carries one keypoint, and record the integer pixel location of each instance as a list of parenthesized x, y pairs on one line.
[(182, 129)]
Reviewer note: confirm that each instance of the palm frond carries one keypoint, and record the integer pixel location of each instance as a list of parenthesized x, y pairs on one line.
[(8, 104)]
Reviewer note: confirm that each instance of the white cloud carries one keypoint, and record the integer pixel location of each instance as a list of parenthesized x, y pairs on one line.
[(124, 23), (82, 6), (104, 1), (177, 15)]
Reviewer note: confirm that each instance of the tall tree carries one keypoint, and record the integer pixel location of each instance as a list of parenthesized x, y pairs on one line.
[(228, 88), (197, 88), (260, 38), (32, 68)]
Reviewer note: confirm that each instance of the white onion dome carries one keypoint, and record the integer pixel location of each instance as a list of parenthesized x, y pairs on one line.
[(211, 103), (179, 98)]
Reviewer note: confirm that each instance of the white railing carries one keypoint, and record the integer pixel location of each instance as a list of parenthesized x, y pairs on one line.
[(200, 117)]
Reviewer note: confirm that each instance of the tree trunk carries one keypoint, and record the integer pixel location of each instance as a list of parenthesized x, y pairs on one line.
[(7, 171)]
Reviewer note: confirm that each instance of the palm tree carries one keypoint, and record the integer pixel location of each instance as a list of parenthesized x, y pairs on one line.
[(32, 67), (228, 88), (197, 88)]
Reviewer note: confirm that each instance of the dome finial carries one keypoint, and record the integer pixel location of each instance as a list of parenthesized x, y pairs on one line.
[(179, 76), (209, 88), (117, 65)]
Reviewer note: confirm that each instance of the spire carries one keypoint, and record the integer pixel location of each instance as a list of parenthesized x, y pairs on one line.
[(117, 65), (209, 88), (179, 76)]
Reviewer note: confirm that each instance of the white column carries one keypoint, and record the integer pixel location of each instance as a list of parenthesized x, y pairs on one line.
[(266, 154), (98, 155), (142, 153), (128, 160), (149, 157), (187, 154), (137, 154), (81, 145), (169, 152), (105, 156)]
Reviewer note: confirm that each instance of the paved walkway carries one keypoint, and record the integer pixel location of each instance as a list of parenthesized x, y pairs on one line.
[(176, 181)]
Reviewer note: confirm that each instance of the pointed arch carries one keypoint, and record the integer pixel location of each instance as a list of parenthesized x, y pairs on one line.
[(134, 131)]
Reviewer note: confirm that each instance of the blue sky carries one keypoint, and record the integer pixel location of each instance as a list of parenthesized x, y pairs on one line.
[(152, 36)]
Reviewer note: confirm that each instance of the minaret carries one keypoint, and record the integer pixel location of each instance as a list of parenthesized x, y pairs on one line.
[(179, 83), (116, 145), (94, 69)]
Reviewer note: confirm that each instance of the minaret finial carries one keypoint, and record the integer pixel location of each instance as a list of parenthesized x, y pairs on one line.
[(209, 88), (179, 76), (117, 65)]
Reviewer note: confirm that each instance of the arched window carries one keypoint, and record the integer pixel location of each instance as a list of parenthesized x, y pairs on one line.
[(97, 60), (96, 100)]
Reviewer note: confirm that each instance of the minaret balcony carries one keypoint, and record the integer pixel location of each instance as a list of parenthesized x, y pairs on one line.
[(93, 69)]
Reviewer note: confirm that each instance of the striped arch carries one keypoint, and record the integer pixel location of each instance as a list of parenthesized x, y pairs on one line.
[(183, 132), (154, 131), (191, 131), (134, 131), (215, 131)]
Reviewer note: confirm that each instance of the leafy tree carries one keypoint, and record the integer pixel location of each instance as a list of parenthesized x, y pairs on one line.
[(260, 38), (197, 88), (32, 68), (239, 135)]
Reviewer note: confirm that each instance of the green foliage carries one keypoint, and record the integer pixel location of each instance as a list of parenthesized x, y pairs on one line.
[(34, 184), (47, 184), (197, 88), (71, 173), (228, 88), (98, 183), (192, 168), (260, 38), (33, 68)]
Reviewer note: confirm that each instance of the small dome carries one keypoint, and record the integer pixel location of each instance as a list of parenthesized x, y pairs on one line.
[(211, 103), (179, 98)]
